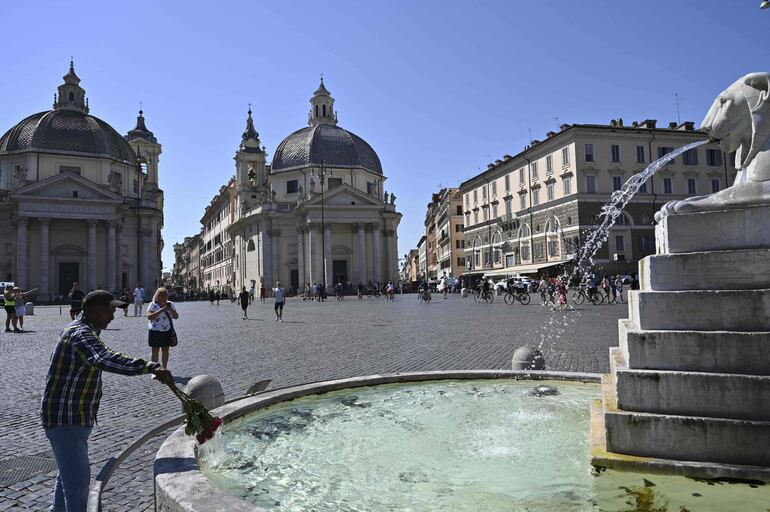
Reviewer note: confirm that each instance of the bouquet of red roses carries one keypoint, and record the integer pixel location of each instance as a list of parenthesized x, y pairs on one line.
[(198, 420)]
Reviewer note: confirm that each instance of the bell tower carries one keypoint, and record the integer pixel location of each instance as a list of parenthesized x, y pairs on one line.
[(322, 107), (147, 149), (71, 95), (250, 164)]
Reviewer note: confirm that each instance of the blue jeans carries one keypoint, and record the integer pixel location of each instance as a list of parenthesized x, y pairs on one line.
[(70, 449)]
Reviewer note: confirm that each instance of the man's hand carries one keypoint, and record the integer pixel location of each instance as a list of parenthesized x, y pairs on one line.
[(163, 375)]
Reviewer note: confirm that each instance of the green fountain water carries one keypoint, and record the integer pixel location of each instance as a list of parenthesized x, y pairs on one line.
[(486, 445)]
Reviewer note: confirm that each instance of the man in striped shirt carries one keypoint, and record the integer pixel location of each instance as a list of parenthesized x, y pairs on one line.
[(72, 392)]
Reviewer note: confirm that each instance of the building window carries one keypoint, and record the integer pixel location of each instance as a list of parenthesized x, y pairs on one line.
[(534, 171), (647, 243), (615, 150), (494, 211), (713, 157), (371, 188), (460, 262), (640, 154), (521, 176), (567, 184), (589, 152), (507, 182), (522, 202), (484, 193), (525, 252), (508, 207), (667, 186), (509, 260), (549, 165), (591, 184), (617, 183), (476, 217), (690, 157), (620, 243), (643, 188), (537, 250), (292, 187), (335, 182), (468, 219), (663, 151), (691, 186), (494, 189), (536, 197), (459, 210), (565, 157), (714, 185), (549, 192), (553, 248), (475, 196)]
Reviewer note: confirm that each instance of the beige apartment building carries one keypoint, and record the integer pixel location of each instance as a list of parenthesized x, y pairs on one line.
[(526, 213), (216, 247), (185, 274), (450, 237)]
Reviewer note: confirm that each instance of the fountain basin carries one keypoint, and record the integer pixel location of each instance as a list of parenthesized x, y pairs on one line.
[(497, 446)]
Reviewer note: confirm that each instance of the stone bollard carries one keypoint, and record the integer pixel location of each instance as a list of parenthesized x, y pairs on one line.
[(29, 309), (464, 293), (207, 390), (528, 358)]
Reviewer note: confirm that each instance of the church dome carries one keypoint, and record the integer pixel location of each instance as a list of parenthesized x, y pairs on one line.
[(325, 144), (67, 130), (69, 127)]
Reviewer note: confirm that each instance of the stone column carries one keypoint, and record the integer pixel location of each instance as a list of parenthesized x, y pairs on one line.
[(312, 255), (22, 265), (376, 252), (111, 257), (119, 255), (148, 279), (91, 262), (362, 253), (328, 276), (275, 236), (45, 255), (301, 258), (388, 267), (267, 256)]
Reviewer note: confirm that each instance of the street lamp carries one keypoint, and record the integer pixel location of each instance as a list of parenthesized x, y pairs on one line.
[(321, 174)]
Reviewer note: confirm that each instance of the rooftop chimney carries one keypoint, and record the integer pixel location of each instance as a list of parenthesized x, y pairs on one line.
[(649, 123), (672, 125), (687, 126)]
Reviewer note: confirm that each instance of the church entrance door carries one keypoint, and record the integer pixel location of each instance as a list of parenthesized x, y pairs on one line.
[(68, 273), (340, 271), (293, 280)]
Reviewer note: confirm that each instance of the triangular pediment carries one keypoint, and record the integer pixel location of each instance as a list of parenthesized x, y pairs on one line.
[(343, 195), (62, 186)]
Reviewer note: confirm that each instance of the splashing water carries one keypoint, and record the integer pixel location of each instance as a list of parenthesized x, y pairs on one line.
[(612, 210)]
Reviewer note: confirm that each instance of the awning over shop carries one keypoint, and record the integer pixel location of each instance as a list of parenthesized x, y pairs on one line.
[(535, 267)]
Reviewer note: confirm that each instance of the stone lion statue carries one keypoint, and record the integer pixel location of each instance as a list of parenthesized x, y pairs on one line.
[(740, 120)]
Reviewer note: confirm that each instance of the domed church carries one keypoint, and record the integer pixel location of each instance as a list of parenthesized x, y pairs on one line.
[(319, 213), (78, 201)]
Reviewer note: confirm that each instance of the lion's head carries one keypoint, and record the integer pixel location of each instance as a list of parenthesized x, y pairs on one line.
[(740, 117)]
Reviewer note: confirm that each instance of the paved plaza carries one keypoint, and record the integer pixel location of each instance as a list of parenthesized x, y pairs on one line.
[(316, 341)]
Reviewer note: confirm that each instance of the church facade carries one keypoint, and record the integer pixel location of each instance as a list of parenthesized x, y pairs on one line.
[(319, 213), (78, 201)]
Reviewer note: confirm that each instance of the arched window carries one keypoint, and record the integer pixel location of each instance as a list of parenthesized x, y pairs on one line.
[(524, 231), (553, 227), (497, 253), (72, 96), (624, 219), (323, 107), (316, 110), (250, 247)]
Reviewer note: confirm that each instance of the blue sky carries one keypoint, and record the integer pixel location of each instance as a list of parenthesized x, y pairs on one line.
[(438, 88)]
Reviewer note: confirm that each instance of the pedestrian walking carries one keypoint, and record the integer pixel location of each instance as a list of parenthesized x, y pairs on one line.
[(561, 291), (262, 292), (605, 285), (9, 301), (76, 300), (73, 389), (279, 301), (243, 299), (217, 296), (138, 299), (161, 314), (619, 289), (252, 292), (125, 298), (21, 308), (542, 289), (360, 290)]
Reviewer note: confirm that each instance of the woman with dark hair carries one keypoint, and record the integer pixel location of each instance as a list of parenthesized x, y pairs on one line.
[(161, 314)]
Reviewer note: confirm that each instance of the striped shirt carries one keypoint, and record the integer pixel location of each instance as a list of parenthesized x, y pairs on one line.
[(74, 383)]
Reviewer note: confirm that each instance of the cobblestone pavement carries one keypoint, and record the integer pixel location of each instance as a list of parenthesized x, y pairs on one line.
[(317, 341)]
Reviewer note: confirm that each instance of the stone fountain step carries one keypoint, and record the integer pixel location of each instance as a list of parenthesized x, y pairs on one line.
[(702, 310), (746, 269), (695, 351), (602, 458), (688, 438), (716, 395), (746, 228)]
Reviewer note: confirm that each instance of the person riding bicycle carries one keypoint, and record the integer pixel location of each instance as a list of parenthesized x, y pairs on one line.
[(424, 289), (391, 289)]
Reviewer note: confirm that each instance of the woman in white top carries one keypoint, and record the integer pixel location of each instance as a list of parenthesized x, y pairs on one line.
[(161, 314), (279, 301)]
